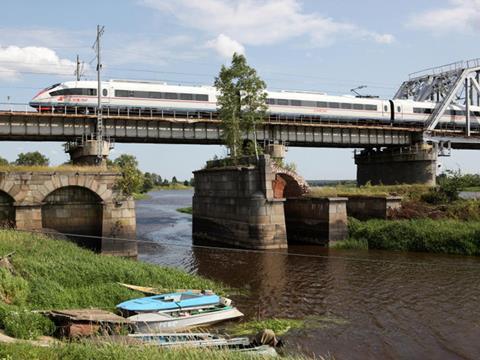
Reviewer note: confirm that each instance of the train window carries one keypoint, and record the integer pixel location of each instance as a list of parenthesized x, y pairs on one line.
[(322, 104), (155, 95), (334, 105), (186, 96), (476, 113), (171, 96), (104, 92), (308, 103), (295, 103), (282, 102), (345, 106), (121, 93), (371, 107), (271, 101), (385, 108), (201, 97), (399, 109), (359, 107), (140, 94)]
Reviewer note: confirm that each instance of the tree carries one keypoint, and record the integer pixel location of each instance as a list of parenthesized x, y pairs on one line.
[(132, 178), (241, 103), (3, 161), (148, 182), (186, 183), (32, 159), (174, 180)]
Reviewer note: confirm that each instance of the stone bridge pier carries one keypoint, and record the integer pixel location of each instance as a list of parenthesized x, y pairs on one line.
[(80, 203), (259, 205)]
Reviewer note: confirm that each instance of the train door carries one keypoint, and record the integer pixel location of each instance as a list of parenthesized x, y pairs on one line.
[(106, 95)]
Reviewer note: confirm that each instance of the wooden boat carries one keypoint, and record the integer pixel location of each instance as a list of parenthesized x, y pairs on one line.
[(205, 340), (170, 302), (156, 322)]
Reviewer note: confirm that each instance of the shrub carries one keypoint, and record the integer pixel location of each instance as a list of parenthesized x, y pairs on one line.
[(13, 289), (24, 324)]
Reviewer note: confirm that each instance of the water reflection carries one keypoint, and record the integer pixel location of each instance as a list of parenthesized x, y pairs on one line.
[(378, 304)]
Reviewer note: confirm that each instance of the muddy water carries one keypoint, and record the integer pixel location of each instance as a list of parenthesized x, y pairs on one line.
[(358, 304)]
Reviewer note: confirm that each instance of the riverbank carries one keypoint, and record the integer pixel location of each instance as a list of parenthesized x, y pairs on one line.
[(45, 273)]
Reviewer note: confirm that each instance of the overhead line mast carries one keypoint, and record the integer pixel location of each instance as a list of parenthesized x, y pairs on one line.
[(99, 130)]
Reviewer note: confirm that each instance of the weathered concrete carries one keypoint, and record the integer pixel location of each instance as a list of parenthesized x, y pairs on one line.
[(85, 152), (82, 203), (372, 207), (412, 165), (235, 206), (316, 220)]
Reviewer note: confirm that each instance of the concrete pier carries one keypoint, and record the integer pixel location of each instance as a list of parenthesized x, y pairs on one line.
[(81, 203), (390, 166)]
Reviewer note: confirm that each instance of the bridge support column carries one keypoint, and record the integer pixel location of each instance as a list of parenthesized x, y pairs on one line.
[(276, 151), (411, 165), (86, 152)]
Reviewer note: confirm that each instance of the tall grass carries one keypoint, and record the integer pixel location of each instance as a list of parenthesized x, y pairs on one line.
[(424, 235), (406, 191)]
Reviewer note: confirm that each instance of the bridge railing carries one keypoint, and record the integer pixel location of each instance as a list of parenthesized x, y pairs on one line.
[(158, 114)]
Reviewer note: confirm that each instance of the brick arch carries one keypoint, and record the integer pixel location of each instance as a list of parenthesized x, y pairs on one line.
[(7, 210), (288, 184)]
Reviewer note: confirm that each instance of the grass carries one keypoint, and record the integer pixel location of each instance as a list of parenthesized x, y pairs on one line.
[(89, 350), (406, 191), (279, 326), (186, 210), (472, 188), (56, 274), (140, 196), (177, 186), (423, 235)]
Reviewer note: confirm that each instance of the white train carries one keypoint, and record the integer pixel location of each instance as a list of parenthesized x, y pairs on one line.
[(132, 96)]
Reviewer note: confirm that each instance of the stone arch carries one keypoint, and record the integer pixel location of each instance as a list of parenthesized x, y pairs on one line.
[(288, 184), (7, 210), (74, 210)]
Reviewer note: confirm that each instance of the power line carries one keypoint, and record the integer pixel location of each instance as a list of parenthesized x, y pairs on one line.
[(265, 252)]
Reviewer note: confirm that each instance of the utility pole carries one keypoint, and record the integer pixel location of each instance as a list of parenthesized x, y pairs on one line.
[(99, 130), (77, 72)]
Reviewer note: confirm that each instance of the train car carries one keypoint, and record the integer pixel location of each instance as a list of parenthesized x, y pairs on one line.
[(130, 96)]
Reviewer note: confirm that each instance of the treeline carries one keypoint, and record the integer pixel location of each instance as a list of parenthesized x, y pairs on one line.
[(134, 181), (34, 158)]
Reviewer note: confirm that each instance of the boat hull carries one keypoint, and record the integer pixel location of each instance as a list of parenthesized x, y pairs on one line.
[(156, 322)]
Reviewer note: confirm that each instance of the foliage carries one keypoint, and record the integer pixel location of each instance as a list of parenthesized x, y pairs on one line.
[(13, 289), (185, 210), (406, 191), (241, 103), (3, 161), (174, 180), (32, 159), (132, 178), (424, 235), (24, 324), (108, 351)]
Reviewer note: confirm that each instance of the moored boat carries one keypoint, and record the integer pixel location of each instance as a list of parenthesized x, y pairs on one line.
[(170, 302), (177, 321)]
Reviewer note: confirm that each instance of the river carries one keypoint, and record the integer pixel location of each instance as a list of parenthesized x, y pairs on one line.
[(358, 304)]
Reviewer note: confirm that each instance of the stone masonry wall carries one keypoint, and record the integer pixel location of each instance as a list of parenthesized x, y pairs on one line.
[(372, 207), (235, 206), (316, 220), (84, 203)]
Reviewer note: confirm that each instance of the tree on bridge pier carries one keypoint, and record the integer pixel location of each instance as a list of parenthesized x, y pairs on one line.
[(241, 104)]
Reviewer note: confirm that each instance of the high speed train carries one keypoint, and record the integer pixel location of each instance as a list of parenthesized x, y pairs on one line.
[(136, 96)]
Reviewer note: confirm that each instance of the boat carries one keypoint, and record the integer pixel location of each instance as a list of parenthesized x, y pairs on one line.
[(181, 320), (171, 302), (147, 290), (205, 340)]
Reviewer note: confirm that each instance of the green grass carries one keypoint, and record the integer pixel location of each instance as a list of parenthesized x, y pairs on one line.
[(57, 274), (472, 188), (350, 243), (140, 196), (423, 235), (61, 168), (91, 351), (185, 210), (406, 191), (279, 326), (177, 186)]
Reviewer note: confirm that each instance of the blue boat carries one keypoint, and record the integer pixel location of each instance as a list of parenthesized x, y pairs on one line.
[(187, 300)]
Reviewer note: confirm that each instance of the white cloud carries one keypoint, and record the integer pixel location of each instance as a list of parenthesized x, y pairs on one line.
[(460, 16), (261, 22), (14, 60), (226, 46)]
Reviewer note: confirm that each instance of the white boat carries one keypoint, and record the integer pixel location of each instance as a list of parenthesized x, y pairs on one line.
[(178, 321)]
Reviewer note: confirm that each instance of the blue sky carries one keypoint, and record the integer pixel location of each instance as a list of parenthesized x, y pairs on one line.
[(324, 45)]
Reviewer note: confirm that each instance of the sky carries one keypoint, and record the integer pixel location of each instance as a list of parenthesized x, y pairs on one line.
[(323, 45)]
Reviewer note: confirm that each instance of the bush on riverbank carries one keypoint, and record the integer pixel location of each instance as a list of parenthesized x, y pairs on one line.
[(56, 274), (425, 235)]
